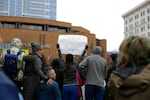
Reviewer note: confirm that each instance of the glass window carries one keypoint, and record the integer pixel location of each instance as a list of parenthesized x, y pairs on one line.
[(143, 12), (1, 45), (57, 29), (61, 30), (126, 21), (148, 26), (8, 45), (141, 29), (32, 27), (9, 25), (53, 29), (1, 25)]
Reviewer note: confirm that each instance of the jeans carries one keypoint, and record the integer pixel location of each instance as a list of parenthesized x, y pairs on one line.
[(93, 92), (70, 92)]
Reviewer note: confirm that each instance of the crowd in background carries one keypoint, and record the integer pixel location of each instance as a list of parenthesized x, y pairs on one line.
[(125, 76)]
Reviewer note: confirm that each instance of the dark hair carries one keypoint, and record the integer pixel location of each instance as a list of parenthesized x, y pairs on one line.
[(114, 57), (69, 58), (47, 69), (55, 63)]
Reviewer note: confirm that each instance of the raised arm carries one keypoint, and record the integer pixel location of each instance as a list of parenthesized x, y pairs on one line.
[(82, 55), (61, 60)]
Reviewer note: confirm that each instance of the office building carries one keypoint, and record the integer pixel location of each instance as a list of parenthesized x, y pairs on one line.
[(137, 20), (45, 9)]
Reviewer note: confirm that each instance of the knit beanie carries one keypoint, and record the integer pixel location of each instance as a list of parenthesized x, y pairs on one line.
[(35, 47)]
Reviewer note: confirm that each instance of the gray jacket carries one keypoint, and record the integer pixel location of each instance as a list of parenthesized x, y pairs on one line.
[(96, 68)]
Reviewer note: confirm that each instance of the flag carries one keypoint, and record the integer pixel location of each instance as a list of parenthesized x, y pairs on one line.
[(49, 55)]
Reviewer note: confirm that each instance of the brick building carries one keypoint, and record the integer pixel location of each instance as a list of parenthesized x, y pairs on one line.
[(44, 31)]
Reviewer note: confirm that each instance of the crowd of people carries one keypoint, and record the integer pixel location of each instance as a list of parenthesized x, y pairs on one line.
[(89, 78)]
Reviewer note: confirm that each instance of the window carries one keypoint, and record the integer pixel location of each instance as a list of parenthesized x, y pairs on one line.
[(32, 27), (1, 25), (1, 46), (126, 21), (141, 29), (143, 12), (131, 19), (53, 29), (148, 10), (148, 26), (8, 45), (143, 20), (136, 16), (57, 29), (9, 25), (62, 30)]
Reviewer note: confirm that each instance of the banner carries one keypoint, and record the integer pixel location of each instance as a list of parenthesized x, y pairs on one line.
[(73, 44)]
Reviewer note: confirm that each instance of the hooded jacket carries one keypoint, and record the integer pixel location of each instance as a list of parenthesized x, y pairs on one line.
[(96, 68), (134, 87)]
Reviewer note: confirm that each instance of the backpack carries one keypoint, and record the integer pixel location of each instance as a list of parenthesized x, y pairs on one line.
[(10, 64)]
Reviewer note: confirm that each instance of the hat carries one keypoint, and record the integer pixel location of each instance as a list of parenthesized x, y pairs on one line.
[(35, 47)]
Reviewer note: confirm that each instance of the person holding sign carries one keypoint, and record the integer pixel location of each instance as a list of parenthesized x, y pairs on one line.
[(70, 68)]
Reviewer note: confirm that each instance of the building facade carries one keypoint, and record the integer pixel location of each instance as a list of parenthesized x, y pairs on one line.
[(45, 32), (137, 20), (45, 9)]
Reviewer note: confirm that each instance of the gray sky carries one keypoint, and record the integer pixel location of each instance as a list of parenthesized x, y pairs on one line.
[(101, 17)]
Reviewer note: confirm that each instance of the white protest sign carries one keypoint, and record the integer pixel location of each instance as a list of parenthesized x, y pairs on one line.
[(73, 44)]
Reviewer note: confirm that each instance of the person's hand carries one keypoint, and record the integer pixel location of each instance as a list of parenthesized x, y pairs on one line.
[(49, 81), (86, 47), (57, 46)]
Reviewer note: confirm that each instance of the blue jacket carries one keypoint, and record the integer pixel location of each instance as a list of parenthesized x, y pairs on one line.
[(49, 92), (8, 89)]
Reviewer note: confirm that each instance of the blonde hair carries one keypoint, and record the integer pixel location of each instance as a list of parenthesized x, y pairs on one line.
[(134, 50)]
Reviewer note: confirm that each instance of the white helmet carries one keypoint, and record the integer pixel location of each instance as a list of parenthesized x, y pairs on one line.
[(16, 42)]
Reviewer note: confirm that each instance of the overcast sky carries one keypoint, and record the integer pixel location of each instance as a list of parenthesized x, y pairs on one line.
[(101, 17)]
